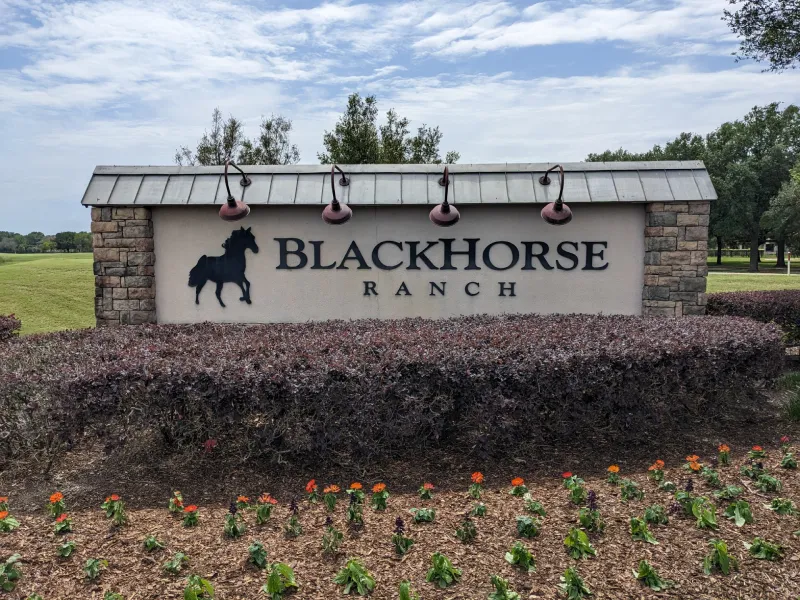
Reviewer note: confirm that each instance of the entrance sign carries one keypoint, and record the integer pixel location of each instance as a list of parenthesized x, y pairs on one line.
[(637, 243)]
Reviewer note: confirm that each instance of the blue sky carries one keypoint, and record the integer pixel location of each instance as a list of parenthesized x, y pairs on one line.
[(87, 82)]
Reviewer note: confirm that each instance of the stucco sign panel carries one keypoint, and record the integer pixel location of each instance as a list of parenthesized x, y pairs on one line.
[(284, 264)]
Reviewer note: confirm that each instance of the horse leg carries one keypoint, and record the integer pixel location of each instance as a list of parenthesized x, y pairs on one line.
[(244, 293), (247, 283), (198, 290), (219, 294)]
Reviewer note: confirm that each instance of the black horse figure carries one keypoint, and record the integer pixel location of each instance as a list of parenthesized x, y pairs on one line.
[(229, 267)]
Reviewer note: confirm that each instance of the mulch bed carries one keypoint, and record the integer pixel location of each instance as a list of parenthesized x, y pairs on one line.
[(678, 556)]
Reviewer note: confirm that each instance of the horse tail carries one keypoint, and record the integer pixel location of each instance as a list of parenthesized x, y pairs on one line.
[(196, 275)]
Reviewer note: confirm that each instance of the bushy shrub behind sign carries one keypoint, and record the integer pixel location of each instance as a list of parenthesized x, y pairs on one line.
[(781, 307), (375, 388)]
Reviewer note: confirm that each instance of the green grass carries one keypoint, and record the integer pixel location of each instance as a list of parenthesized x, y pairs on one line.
[(48, 292), (768, 264), (735, 282)]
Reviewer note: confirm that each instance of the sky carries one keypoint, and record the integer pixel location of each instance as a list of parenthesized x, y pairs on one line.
[(121, 82)]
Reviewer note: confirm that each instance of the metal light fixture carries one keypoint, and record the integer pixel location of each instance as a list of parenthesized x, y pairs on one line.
[(336, 213), (556, 213), (234, 210), (444, 215)]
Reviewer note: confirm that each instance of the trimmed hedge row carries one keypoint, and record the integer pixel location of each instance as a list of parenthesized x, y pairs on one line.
[(9, 327), (370, 389), (781, 307)]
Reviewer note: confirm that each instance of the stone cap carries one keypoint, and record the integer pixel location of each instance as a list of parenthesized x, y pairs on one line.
[(391, 185)]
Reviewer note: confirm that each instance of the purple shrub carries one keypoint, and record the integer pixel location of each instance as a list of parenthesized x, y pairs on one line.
[(781, 307)]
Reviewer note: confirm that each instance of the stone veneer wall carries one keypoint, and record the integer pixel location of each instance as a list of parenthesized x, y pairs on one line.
[(676, 250), (124, 282)]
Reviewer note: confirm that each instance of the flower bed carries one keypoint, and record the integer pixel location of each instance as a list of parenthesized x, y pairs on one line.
[(781, 307), (376, 388)]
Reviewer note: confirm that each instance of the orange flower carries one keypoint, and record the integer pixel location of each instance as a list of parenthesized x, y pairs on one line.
[(190, 509), (517, 481), (57, 497), (356, 486), (331, 489), (178, 502), (660, 463), (243, 499), (692, 458), (566, 475), (267, 499), (3, 499), (613, 469), (723, 448), (115, 498), (427, 486), (477, 477), (311, 486), (694, 466), (758, 449), (62, 518), (378, 488), (3, 514)]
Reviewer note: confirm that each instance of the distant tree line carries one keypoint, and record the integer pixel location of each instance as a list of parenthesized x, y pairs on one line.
[(36, 241)]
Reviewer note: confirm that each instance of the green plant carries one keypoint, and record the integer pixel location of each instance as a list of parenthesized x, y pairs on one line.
[(56, 507), (764, 550), (756, 453), (264, 508), (629, 490), (529, 527), (467, 532), (478, 510), (442, 571), (667, 486), (151, 544), (789, 461), (63, 524), (332, 538), (729, 492), (518, 488), (426, 491), (719, 558), (792, 406), (613, 475), (10, 572), (312, 489), (198, 588), (502, 591), (685, 499), (578, 545), (175, 565), (7, 522), (752, 470), (93, 568), (640, 531), (355, 512), (656, 515), (356, 493), (405, 592), (34, 596), (402, 544), (176, 503), (656, 471), (355, 578), (423, 515), (572, 585), (768, 483), (521, 557), (329, 497), (705, 513), (739, 513), (293, 528), (242, 502), (280, 581), (115, 510), (234, 526), (533, 506), (724, 455), (190, 516), (66, 549), (591, 520), (711, 476), (113, 596), (380, 495), (649, 576), (476, 488), (257, 555), (782, 506)]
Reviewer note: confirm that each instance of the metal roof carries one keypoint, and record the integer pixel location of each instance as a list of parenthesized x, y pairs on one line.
[(664, 181)]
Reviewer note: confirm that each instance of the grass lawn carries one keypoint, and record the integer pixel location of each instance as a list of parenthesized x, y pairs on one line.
[(48, 292), (735, 282), (742, 263)]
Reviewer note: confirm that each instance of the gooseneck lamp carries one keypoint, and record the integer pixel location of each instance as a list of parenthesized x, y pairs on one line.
[(234, 210), (556, 213), (337, 213), (444, 215)]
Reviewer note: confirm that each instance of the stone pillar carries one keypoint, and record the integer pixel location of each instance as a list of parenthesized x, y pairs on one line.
[(676, 250), (124, 282)]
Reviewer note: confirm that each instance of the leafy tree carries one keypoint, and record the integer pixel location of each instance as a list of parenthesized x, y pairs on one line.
[(223, 141), (8, 244), (48, 245), (272, 146), (357, 138), (83, 242), (65, 240), (783, 216), (769, 31), (34, 238)]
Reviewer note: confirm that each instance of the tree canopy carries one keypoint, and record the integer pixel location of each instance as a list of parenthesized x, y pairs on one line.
[(358, 139), (769, 31)]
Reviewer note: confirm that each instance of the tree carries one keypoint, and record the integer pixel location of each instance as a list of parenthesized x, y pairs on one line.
[(65, 240), (357, 139), (783, 216), (769, 31), (272, 147), (34, 239), (8, 244), (49, 244), (215, 147), (83, 242)]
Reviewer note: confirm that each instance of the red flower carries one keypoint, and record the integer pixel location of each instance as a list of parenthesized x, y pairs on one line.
[(785, 439), (427, 486), (115, 498), (517, 481), (190, 509), (566, 475), (62, 518), (3, 499), (57, 497), (311, 486), (477, 477), (209, 445), (757, 449), (267, 499), (3, 514)]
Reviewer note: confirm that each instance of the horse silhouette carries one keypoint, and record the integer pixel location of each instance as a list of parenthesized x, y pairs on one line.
[(228, 268)]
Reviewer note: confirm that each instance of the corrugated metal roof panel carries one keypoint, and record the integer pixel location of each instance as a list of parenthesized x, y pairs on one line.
[(664, 181)]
